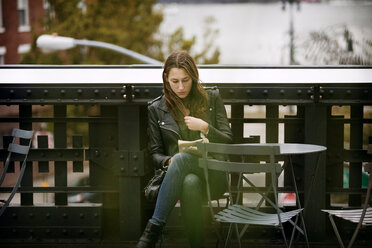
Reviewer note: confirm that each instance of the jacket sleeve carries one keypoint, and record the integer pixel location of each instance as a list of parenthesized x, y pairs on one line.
[(156, 145), (220, 132)]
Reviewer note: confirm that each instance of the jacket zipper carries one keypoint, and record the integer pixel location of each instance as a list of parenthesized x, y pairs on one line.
[(179, 136)]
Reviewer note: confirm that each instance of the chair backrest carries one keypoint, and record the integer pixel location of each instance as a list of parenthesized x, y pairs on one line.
[(240, 149), (17, 148), (22, 134)]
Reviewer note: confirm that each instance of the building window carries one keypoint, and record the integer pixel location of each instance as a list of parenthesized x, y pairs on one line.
[(24, 48), (2, 29), (2, 55), (23, 16)]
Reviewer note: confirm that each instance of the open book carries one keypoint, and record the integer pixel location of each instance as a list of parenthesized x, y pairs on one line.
[(190, 146)]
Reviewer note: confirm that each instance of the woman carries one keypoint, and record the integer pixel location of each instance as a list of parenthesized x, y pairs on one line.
[(185, 111)]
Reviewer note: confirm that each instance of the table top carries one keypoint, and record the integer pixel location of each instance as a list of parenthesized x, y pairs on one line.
[(295, 148)]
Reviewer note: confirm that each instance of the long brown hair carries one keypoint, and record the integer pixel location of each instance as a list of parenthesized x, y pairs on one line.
[(197, 100)]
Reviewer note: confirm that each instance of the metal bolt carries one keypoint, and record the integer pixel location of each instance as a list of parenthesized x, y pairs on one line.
[(63, 92), (133, 96), (46, 92), (121, 156), (135, 169), (96, 152), (135, 157), (299, 92), (265, 92), (147, 91), (122, 169), (312, 97), (79, 91), (64, 215), (81, 216), (231, 92), (125, 96), (28, 92), (282, 92), (113, 92), (96, 91), (348, 92), (331, 92), (11, 92)]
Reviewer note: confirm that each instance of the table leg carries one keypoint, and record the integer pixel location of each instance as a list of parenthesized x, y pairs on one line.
[(298, 202)]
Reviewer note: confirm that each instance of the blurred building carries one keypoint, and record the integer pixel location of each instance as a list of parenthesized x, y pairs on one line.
[(17, 19)]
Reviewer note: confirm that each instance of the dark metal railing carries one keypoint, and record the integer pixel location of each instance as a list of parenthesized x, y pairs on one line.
[(112, 152)]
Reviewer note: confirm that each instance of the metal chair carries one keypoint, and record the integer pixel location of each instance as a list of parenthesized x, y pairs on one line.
[(361, 216), (23, 151), (236, 213)]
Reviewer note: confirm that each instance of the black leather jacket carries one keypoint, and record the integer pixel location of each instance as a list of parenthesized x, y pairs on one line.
[(164, 133)]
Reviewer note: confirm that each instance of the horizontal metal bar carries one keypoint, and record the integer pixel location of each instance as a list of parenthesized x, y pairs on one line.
[(49, 154), (347, 191), (59, 119), (350, 155), (25, 189)]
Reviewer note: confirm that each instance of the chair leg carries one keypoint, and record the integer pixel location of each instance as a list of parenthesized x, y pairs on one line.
[(336, 231), (237, 234), (299, 205), (228, 236), (273, 181)]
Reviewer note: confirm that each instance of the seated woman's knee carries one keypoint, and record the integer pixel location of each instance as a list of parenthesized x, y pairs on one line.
[(191, 182)]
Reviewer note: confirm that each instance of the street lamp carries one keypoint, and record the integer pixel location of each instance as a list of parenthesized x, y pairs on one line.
[(50, 43), (292, 60)]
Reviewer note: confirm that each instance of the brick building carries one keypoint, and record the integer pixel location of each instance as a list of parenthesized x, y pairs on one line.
[(17, 19)]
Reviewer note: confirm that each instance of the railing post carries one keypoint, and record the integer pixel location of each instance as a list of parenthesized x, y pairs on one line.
[(335, 147), (102, 142), (131, 137), (315, 183), (60, 141), (356, 143), (25, 111)]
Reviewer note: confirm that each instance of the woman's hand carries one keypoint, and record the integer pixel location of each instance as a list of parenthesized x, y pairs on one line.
[(196, 124)]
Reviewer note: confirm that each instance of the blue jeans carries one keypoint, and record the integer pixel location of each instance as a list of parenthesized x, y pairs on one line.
[(171, 190)]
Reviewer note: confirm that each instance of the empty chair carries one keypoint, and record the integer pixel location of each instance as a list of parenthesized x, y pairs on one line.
[(18, 149), (361, 216), (236, 213)]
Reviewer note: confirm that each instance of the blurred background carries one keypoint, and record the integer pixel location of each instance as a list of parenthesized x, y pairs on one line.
[(238, 32), (254, 32)]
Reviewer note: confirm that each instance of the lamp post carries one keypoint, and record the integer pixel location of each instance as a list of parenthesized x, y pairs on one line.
[(50, 43), (292, 60)]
